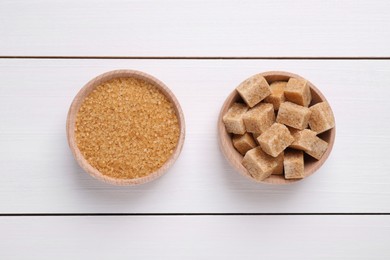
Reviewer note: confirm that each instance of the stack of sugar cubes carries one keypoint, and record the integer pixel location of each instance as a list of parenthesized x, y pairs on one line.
[(276, 125)]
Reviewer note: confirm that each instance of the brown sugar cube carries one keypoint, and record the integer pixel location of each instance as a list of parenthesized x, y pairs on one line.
[(277, 94), (259, 164), (254, 90), (298, 91), (259, 118), (255, 135), (318, 148), (278, 170), (303, 139), (292, 130), (293, 164), (321, 118), (233, 119), (275, 139), (244, 143), (293, 115), (308, 141)]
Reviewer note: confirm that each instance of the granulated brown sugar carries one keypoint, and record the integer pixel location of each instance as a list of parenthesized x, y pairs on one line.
[(126, 128)]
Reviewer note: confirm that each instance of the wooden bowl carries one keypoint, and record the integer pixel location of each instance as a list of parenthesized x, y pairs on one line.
[(235, 158), (86, 90)]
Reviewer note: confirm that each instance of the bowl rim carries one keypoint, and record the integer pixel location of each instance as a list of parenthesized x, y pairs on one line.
[(230, 153), (86, 90)]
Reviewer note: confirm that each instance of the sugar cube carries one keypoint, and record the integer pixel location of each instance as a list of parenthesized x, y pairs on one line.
[(298, 92), (303, 139), (278, 170), (255, 135), (259, 118), (293, 115), (292, 130), (318, 148), (244, 143), (254, 90), (308, 141), (321, 118), (277, 94), (259, 164), (293, 164), (233, 119), (275, 139)]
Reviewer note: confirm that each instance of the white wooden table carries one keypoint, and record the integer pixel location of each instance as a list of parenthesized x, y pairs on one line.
[(201, 209)]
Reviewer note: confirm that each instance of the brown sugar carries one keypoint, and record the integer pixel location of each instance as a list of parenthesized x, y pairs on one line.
[(126, 128), (303, 139), (308, 141), (244, 143), (318, 148), (321, 118), (259, 118), (298, 92), (271, 132), (293, 115), (254, 90), (293, 164), (278, 170), (275, 139), (233, 119), (255, 136), (277, 94), (261, 165)]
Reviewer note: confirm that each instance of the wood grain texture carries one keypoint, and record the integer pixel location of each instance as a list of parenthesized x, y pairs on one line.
[(207, 237), (235, 158), (39, 174), (195, 28), (78, 101)]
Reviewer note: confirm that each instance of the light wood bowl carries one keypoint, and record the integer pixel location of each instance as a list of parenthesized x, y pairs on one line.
[(235, 158), (86, 90)]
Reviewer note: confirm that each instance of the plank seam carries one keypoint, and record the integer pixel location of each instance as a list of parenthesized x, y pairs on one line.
[(186, 214), (192, 58)]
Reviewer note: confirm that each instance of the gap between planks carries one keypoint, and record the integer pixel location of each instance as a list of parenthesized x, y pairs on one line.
[(192, 58), (184, 214)]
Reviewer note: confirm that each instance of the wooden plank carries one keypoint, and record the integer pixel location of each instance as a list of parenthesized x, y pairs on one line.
[(249, 237), (38, 173), (195, 28)]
